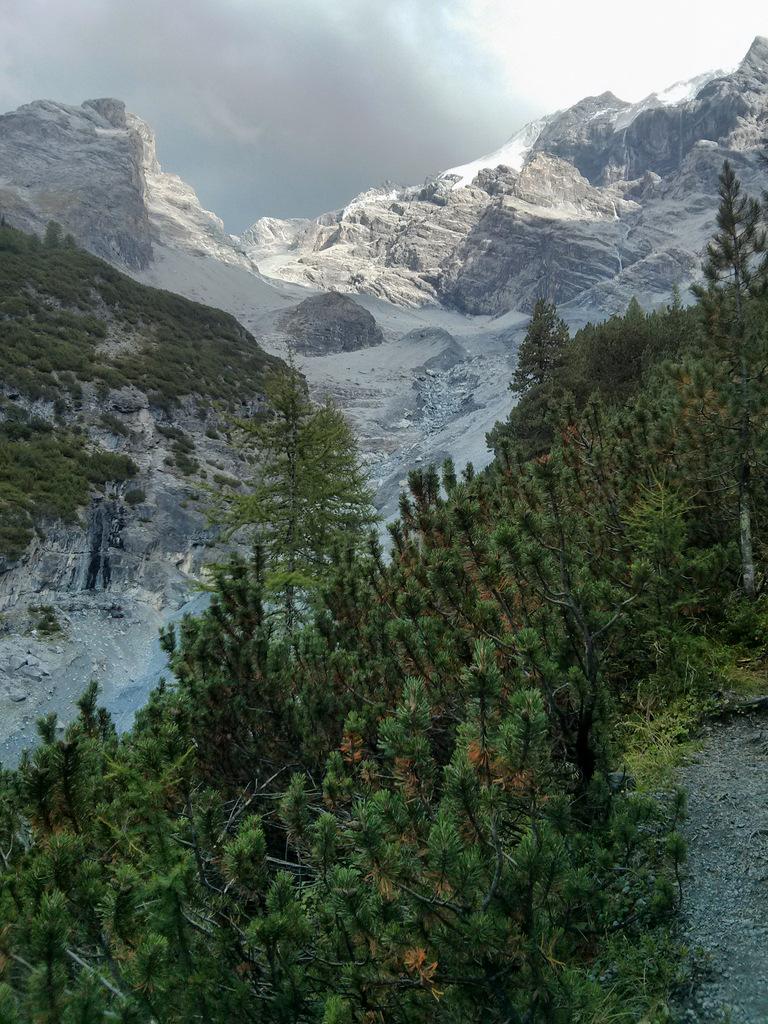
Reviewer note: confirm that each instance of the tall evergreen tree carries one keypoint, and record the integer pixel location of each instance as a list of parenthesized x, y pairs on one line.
[(541, 350), (54, 235), (734, 273), (309, 495)]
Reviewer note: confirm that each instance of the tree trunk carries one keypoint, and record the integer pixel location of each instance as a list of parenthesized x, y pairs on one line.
[(745, 534), (745, 511)]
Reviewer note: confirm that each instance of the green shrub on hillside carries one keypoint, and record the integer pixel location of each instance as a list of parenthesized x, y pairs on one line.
[(58, 304), (58, 307), (47, 473)]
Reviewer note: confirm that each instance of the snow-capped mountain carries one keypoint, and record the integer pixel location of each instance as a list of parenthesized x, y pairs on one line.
[(586, 206), (512, 154), (516, 150)]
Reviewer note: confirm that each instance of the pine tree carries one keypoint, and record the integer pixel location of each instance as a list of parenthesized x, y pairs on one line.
[(733, 274), (541, 350), (54, 235), (309, 495)]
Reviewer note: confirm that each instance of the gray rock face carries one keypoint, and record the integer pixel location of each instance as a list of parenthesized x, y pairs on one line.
[(513, 256), (80, 166), (607, 140), (450, 353), (589, 205), (330, 323), (94, 169), (115, 576), (586, 207)]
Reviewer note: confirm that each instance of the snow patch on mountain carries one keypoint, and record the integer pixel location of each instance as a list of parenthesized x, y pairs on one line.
[(512, 154), (679, 92), (516, 151)]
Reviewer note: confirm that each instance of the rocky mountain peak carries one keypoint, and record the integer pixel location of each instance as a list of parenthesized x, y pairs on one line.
[(755, 62), (582, 194), (112, 110), (589, 205), (757, 53), (80, 166), (605, 101), (94, 169)]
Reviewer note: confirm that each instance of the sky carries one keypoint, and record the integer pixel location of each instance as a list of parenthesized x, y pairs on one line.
[(291, 107)]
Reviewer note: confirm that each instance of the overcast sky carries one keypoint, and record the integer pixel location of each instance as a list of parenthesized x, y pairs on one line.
[(290, 107)]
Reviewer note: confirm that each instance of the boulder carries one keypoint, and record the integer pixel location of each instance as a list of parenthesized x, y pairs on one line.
[(331, 322)]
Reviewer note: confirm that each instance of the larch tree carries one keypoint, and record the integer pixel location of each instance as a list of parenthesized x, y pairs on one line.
[(308, 498)]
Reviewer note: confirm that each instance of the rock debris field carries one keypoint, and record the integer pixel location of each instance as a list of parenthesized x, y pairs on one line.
[(725, 903)]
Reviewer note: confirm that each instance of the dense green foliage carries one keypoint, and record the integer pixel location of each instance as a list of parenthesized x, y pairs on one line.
[(412, 812), (58, 304), (46, 473), (308, 497), (611, 359), (735, 271), (541, 350)]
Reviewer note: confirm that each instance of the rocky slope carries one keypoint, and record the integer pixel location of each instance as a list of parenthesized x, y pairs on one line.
[(586, 207), (108, 440), (94, 169)]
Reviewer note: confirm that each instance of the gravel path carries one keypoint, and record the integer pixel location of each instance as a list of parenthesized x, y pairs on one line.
[(725, 903)]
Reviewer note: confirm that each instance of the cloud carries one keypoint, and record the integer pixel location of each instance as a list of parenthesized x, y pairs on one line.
[(565, 51), (290, 107)]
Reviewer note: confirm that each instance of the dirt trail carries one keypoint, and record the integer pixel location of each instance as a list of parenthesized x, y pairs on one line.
[(725, 907)]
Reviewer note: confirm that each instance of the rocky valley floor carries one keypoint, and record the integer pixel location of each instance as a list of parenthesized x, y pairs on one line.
[(434, 388)]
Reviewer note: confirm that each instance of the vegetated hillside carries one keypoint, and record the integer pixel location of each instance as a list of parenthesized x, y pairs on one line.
[(76, 333), (115, 400), (415, 809)]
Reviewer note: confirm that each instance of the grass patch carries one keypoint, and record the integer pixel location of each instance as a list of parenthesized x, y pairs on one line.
[(45, 620), (655, 743)]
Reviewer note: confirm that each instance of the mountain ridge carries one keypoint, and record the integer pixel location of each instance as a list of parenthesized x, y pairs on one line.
[(486, 237), (422, 244)]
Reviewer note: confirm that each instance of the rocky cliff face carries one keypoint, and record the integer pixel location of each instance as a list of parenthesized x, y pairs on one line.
[(587, 207), (81, 166), (110, 579), (144, 385), (94, 169)]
